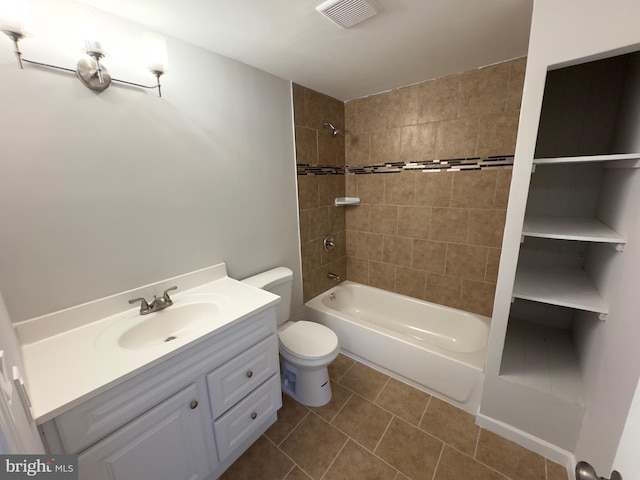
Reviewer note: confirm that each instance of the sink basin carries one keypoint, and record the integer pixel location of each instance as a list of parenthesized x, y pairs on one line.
[(167, 325)]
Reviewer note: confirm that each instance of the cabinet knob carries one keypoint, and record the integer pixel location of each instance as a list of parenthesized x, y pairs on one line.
[(194, 405), (254, 415), (249, 374)]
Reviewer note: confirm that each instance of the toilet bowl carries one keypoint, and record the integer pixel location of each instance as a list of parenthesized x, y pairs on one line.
[(306, 348)]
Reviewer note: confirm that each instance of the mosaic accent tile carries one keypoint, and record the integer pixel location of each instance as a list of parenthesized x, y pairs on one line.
[(448, 165)]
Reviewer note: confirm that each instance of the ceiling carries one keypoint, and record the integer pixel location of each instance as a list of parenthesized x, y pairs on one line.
[(408, 42)]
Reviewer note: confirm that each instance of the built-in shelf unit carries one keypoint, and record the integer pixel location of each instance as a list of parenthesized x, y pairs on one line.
[(570, 245)]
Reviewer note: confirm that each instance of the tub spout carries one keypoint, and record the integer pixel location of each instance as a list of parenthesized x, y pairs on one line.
[(335, 277)]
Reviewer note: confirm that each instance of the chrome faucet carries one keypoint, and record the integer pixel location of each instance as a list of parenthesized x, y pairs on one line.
[(333, 276), (156, 304)]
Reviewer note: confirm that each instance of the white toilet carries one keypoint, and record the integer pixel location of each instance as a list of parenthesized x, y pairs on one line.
[(306, 348)]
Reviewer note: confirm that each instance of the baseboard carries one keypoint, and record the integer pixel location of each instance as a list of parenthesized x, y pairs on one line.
[(528, 441)]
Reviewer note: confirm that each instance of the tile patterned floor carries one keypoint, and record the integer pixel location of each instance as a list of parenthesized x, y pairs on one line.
[(377, 428)]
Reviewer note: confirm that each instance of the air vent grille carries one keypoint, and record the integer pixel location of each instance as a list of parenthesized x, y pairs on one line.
[(347, 13)]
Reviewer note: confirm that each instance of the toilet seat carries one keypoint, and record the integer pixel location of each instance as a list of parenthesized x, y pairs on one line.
[(308, 340)]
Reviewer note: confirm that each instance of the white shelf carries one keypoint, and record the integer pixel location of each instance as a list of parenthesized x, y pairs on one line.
[(542, 358), (564, 286), (571, 228), (343, 201), (587, 159)]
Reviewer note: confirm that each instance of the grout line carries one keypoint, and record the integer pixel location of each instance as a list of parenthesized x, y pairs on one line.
[(383, 435), (293, 429), (424, 411), (381, 390), (435, 470), (475, 450), (336, 457)]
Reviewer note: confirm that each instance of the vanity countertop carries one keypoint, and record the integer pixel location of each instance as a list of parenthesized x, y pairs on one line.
[(75, 364)]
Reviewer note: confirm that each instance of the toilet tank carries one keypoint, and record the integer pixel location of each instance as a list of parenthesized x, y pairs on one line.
[(278, 281)]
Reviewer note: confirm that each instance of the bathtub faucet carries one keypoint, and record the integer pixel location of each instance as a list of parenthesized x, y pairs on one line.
[(335, 277)]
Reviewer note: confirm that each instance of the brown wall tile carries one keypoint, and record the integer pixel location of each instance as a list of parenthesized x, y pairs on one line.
[(457, 138), (319, 222), (429, 256), (396, 250), (516, 83), (444, 289), (399, 188), (306, 145), (370, 113), (403, 106), (466, 261), (477, 297), (370, 188), (414, 221), (357, 149), (474, 189), (449, 224), (411, 282), (417, 142), (439, 99), (358, 270), (382, 275), (434, 189), (493, 262), (358, 218), (497, 133), (503, 184), (328, 188), (484, 91), (307, 191), (330, 148), (385, 146), (383, 219), (370, 246), (486, 227)]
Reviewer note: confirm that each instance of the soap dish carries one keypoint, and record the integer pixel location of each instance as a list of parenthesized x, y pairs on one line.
[(347, 201)]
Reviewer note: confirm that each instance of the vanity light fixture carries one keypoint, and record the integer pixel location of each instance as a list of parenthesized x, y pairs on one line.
[(91, 72)]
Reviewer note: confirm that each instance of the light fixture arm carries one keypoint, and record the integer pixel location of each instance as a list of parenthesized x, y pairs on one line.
[(87, 71), (15, 37)]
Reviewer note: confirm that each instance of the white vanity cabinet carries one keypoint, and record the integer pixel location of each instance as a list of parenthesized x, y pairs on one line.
[(186, 417)]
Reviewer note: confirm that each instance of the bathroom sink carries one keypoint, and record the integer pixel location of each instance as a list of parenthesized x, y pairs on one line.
[(168, 324)]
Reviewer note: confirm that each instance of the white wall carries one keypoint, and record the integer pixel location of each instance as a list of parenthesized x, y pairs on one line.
[(100, 193), (566, 33), (17, 433)]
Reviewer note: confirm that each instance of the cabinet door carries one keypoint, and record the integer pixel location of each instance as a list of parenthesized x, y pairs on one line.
[(168, 442)]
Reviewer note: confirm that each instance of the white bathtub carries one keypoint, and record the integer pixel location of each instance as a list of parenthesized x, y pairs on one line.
[(439, 349)]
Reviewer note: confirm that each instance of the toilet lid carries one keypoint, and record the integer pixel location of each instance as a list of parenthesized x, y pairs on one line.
[(308, 339)]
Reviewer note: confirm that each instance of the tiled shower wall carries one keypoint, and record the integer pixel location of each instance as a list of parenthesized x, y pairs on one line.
[(426, 227), (317, 188)]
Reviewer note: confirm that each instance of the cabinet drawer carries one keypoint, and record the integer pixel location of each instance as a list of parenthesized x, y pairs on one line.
[(236, 378), (247, 417)]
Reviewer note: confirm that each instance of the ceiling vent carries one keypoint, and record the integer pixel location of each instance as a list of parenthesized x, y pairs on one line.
[(347, 13)]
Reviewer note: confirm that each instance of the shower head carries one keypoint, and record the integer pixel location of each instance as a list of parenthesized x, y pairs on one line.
[(334, 130)]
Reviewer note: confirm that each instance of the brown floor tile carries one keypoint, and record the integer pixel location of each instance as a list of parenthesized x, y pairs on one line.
[(555, 471), (455, 465), (403, 400), (451, 425), (339, 366), (401, 476), (410, 450), (363, 421), (290, 415), (364, 380), (339, 396), (355, 462), (262, 461), (508, 458), (297, 474), (313, 445)]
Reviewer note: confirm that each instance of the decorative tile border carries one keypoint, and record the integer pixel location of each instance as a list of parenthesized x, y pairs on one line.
[(448, 165)]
